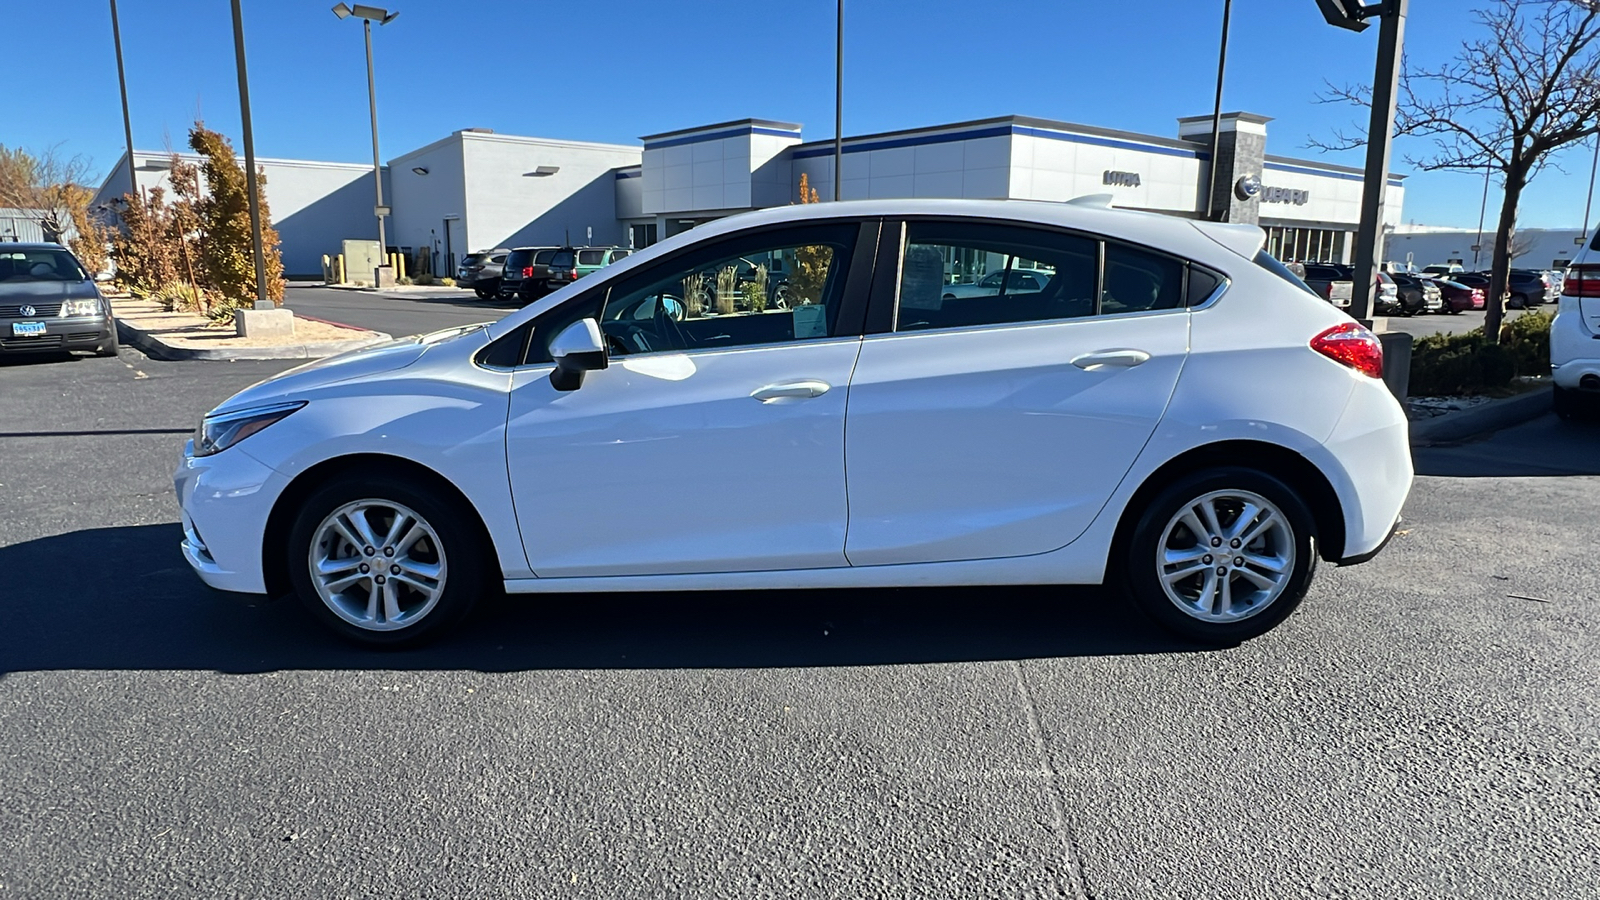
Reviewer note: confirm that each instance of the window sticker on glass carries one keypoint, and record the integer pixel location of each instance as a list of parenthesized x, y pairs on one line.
[(810, 321)]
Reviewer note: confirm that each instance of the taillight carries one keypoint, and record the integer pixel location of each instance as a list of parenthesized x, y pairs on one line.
[(1582, 281), (527, 271), (1352, 345)]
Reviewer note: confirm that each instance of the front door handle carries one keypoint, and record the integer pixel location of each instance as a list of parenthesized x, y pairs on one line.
[(1111, 359), (791, 390)]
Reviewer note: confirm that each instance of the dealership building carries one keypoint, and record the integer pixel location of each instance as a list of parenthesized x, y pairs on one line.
[(476, 190)]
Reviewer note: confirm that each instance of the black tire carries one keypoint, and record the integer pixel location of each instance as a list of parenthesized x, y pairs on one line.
[(463, 551), (1573, 406), (108, 347), (1517, 301), (485, 293), (1139, 569)]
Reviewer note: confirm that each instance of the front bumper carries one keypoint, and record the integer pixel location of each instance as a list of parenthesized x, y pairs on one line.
[(226, 499), (78, 333)]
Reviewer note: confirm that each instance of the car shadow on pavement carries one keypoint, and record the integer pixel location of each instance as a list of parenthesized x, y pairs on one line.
[(1545, 447), (124, 598)]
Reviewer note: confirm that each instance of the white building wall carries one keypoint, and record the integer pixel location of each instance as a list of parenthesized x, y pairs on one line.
[(507, 207), (1545, 247), (425, 206), (313, 205), (630, 193), (1061, 168), (716, 174), (1333, 197)]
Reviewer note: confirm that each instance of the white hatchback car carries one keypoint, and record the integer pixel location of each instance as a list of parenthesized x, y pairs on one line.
[(1171, 412), (1575, 336)]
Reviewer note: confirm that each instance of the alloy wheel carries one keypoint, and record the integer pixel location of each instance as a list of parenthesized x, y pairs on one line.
[(1225, 556), (377, 565)]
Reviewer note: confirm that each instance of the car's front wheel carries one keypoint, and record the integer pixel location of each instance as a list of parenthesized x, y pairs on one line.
[(383, 563), (1221, 555), (485, 293)]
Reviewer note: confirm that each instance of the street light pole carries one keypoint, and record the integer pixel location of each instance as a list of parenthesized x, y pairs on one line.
[(1380, 134), (262, 300), (377, 167), (1588, 199), (1216, 112), (1482, 206), (122, 83), (838, 107), (368, 15)]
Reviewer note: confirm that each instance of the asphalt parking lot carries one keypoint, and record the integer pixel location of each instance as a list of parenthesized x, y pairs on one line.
[(1427, 725)]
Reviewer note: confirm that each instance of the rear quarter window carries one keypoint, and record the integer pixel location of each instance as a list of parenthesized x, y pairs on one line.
[(1269, 262)]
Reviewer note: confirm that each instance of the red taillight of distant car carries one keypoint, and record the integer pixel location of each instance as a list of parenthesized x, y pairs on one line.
[(1477, 298), (1582, 281), (1352, 345)]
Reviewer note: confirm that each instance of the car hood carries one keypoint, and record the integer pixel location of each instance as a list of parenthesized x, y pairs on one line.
[(377, 359), (46, 291)]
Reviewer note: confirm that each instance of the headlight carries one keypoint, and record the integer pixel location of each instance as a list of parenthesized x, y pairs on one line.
[(218, 433), (81, 308)]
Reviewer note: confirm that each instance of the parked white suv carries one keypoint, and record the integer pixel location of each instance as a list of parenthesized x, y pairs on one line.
[(1170, 412), (1575, 336)]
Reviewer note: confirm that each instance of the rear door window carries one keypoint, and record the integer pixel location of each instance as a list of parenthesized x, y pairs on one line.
[(563, 259), (591, 257), (543, 257)]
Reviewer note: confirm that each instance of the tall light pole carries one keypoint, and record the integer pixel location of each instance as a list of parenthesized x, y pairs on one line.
[(1588, 198), (122, 83), (262, 300), (1483, 205), (1216, 112), (368, 15), (838, 107), (1391, 16)]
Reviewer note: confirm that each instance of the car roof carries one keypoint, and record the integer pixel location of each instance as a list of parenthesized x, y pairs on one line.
[(1202, 241), (30, 245)]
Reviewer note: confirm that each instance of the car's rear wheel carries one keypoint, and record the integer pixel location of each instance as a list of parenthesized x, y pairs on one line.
[(485, 293), (1221, 555), (1572, 405), (383, 563)]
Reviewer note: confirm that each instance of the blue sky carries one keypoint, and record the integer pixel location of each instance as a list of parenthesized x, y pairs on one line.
[(615, 71)]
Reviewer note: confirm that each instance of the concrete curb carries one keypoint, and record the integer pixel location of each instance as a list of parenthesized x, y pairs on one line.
[(156, 348), (1491, 416)]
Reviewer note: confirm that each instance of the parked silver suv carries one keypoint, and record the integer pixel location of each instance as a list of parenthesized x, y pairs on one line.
[(482, 272), (49, 303)]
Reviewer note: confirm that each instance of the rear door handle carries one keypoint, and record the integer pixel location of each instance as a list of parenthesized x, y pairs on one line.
[(1111, 359), (791, 390)]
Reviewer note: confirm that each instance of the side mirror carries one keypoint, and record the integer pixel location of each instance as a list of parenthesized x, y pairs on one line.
[(576, 350)]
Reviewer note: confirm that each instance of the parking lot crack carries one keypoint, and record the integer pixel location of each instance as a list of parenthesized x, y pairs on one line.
[(1071, 883)]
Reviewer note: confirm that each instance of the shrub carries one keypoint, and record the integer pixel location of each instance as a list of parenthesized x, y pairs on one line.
[(1527, 337), (176, 296), (448, 282), (403, 279), (1455, 364), (422, 278)]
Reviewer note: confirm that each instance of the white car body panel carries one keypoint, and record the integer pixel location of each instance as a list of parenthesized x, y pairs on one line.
[(682, 469), (1575, 332), (601, 493), (989, 442)]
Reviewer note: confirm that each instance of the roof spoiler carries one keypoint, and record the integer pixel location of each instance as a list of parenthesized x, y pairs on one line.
[(1245, 240)]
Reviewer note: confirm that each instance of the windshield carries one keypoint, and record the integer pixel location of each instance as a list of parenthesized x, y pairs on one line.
[(41, 264), (1267, 261)]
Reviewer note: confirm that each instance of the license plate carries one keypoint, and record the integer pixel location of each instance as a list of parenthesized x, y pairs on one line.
[(27, 329)]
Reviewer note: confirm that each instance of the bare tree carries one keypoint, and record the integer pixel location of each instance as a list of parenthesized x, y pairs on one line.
[(1509, 100), (48, 188)]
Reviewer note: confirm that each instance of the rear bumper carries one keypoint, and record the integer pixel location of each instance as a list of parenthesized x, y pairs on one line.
[(1360, 558), (60, 335)]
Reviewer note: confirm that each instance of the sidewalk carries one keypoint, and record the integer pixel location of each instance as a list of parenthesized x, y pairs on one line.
[(166, 335), (407, 291)]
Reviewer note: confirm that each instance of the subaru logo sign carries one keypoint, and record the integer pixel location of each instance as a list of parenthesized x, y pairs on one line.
[(28, 311), (1247, 186)]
